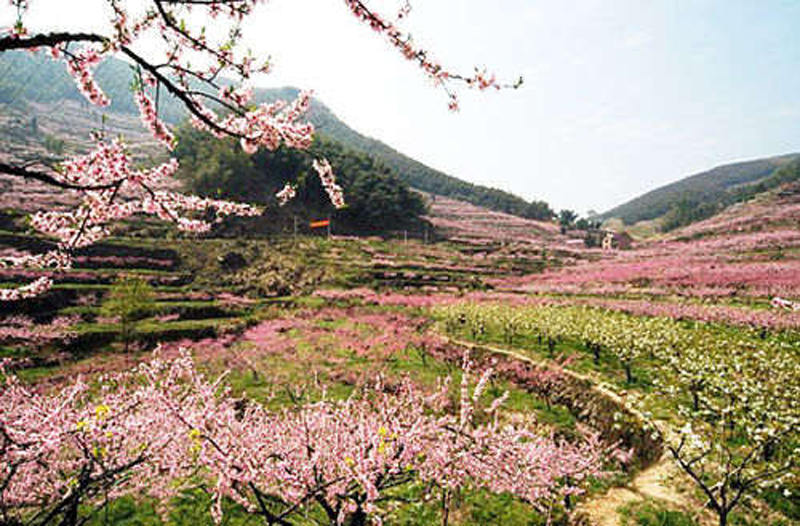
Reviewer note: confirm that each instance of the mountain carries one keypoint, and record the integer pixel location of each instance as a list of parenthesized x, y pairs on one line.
[(34, 78), (702, 194)]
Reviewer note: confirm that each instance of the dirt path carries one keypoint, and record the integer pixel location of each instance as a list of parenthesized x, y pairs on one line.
[(658, 482)]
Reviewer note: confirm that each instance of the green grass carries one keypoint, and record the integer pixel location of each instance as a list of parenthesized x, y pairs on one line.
[(151, 326), (469, 508), (196, 310), (649, 513)]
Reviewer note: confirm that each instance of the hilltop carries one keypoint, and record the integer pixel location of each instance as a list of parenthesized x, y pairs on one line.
[(35, 85), (704, 194)]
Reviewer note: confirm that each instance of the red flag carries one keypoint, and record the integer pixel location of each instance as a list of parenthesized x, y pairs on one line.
[(320, 224)]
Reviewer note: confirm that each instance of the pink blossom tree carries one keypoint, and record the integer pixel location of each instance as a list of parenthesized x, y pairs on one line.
[(167, 428)]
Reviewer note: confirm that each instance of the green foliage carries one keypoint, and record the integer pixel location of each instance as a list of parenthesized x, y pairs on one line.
[(189, 509), (376, 199), (687, 211), (539, 210), (130, 300), (474, 508), (651, 514), (53, 144), (484, 509), (566, 218), (786, 174), (692, 208)]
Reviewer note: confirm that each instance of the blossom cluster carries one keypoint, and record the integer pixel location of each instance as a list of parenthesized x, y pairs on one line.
[(22, 329), (112, 190), (80, 65), (782, 303), (706, 275), (286, 194), (166, 427), (150, 119), (31, 290), (405, 44), (334, 191)]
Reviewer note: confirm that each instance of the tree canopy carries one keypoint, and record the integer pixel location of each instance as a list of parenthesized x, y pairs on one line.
[(376, 199)]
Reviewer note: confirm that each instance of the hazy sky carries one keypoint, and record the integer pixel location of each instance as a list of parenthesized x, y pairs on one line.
[(620, 96)]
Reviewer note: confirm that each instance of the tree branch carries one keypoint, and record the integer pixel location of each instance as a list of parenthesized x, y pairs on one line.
[(48, 39), (42, 177)]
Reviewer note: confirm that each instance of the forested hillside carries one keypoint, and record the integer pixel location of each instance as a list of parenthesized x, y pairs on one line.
[(377, 201), (35, 78), (702, 195)]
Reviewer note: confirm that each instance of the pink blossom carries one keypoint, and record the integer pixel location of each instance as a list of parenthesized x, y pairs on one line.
[(334, 191), (152, 122), (286, 194)]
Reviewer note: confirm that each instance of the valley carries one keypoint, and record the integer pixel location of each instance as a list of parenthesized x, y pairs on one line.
[(260, 325)]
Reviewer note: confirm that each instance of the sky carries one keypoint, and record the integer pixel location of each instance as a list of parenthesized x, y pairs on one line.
[(620, 96)]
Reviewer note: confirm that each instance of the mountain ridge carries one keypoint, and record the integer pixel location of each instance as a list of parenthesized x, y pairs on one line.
[(28, 77), (711, 188)]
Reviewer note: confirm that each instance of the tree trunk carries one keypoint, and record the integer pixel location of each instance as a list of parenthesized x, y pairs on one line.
[(445, 507), (628, 373), (359, 518), (70, 517)]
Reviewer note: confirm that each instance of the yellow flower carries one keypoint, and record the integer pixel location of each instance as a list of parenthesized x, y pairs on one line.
[(382, 431), (349, 461), (102, 411), (82, 425)]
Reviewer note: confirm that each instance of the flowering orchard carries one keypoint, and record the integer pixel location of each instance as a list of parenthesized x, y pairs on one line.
[(166, 427), (735, 393), (109, 187)]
